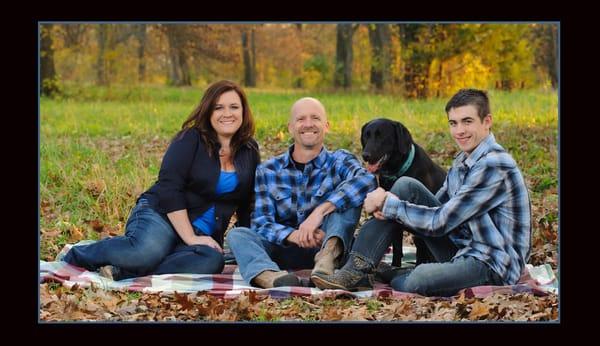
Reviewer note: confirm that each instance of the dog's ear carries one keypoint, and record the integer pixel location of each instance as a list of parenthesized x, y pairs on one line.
[(403, 137), (362, 133)]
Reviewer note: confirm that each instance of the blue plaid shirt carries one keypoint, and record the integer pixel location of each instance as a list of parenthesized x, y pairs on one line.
[(485, 210), (285, 196)]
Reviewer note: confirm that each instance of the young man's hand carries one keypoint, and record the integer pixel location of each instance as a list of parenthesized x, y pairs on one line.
[(374, 201), (379, 215)]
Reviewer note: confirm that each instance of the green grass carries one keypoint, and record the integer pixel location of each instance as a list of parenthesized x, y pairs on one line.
[(152, 111), (100, 148), (133, 295)]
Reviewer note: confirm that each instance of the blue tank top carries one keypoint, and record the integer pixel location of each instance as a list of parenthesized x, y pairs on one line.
[(205, 223)]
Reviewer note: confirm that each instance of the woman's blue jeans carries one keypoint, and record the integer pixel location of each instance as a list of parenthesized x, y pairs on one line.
[(444, 278), (150, 246), (255, 254)]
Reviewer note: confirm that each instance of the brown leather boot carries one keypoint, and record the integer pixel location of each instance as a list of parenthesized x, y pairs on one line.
[(327, 259), (270, 279), (354, 276)]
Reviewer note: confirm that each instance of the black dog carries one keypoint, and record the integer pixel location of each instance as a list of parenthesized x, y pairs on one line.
[(387, 147)]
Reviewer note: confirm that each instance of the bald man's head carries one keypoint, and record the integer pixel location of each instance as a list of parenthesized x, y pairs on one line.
[(308, 123), (307, 102)]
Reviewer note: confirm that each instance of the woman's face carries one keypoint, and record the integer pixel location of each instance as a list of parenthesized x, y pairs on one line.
[(227, 117)]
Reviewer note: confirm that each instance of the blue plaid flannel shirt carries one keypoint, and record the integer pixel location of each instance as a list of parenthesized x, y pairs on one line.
[(285, 196), (485, 210)]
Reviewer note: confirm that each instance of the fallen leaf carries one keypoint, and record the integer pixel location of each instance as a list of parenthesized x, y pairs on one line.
[(96, 225), (182, 299), (479, 311), (51, 232), (75, 234)]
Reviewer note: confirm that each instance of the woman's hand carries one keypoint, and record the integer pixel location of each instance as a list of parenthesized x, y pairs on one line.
[(180, 221), (204, 240)]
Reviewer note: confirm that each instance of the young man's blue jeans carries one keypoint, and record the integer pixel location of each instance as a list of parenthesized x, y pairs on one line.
[(254, 254), (444, 278), (150, 246)]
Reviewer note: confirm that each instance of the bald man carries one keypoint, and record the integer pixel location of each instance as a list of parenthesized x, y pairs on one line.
[(308, 203)]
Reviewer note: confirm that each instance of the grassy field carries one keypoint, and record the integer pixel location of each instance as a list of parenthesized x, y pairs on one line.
[(100, 148)]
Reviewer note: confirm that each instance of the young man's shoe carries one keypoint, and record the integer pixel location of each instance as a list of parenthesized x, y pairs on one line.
[(344, 280), (354, 276), (385, 272)]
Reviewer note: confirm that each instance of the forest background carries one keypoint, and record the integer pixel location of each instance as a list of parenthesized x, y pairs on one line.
[(113, 94)]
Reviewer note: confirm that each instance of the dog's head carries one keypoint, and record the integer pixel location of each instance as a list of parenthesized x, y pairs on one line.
[(384, 143)]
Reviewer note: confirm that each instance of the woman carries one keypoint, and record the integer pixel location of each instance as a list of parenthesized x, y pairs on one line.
[(207, 174)]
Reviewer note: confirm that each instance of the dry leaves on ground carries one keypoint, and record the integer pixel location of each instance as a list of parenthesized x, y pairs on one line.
[(59, 303)]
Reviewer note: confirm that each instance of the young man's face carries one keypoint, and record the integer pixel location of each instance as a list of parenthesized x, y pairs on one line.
[(466, 127), (308, 124)]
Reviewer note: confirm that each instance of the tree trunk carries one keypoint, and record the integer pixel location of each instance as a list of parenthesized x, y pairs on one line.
[(506, 84), (553, 66), (415, 79), (47, 70), (417, 59), (141, 37), (73, 34), (249, 51), (100, 61), (179, 74), (408, 35), (253, 49), (185, 69), (174, 77), (546, 58), (343, 56), (440, 74), (379, 37), (246, 59)]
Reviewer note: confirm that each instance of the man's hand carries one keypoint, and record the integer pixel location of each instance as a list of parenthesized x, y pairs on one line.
[(319, 236), (296, 237), (308, 234), (308, 228), (374, 201), (293, 238)]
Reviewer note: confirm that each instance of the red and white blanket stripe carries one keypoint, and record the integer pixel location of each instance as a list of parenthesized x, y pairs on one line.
[(538, 280)]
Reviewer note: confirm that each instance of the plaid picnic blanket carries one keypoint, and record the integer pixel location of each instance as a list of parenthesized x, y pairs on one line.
[(538, 280)]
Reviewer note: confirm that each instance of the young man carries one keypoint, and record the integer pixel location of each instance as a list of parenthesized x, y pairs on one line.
[(306, 199), (477, 226)]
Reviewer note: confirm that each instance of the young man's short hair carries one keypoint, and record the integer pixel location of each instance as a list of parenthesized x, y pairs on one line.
[(473, 97)]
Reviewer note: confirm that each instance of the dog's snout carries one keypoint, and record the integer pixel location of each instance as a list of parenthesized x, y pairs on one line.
[(366, 156)]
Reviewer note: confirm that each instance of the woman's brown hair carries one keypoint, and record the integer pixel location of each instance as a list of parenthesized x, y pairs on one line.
[(200, 118)]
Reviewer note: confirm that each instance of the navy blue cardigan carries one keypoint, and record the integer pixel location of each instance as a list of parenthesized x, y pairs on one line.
[(188, 178)]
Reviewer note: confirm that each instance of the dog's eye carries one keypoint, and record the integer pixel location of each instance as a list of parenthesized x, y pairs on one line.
[(377, 133)]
